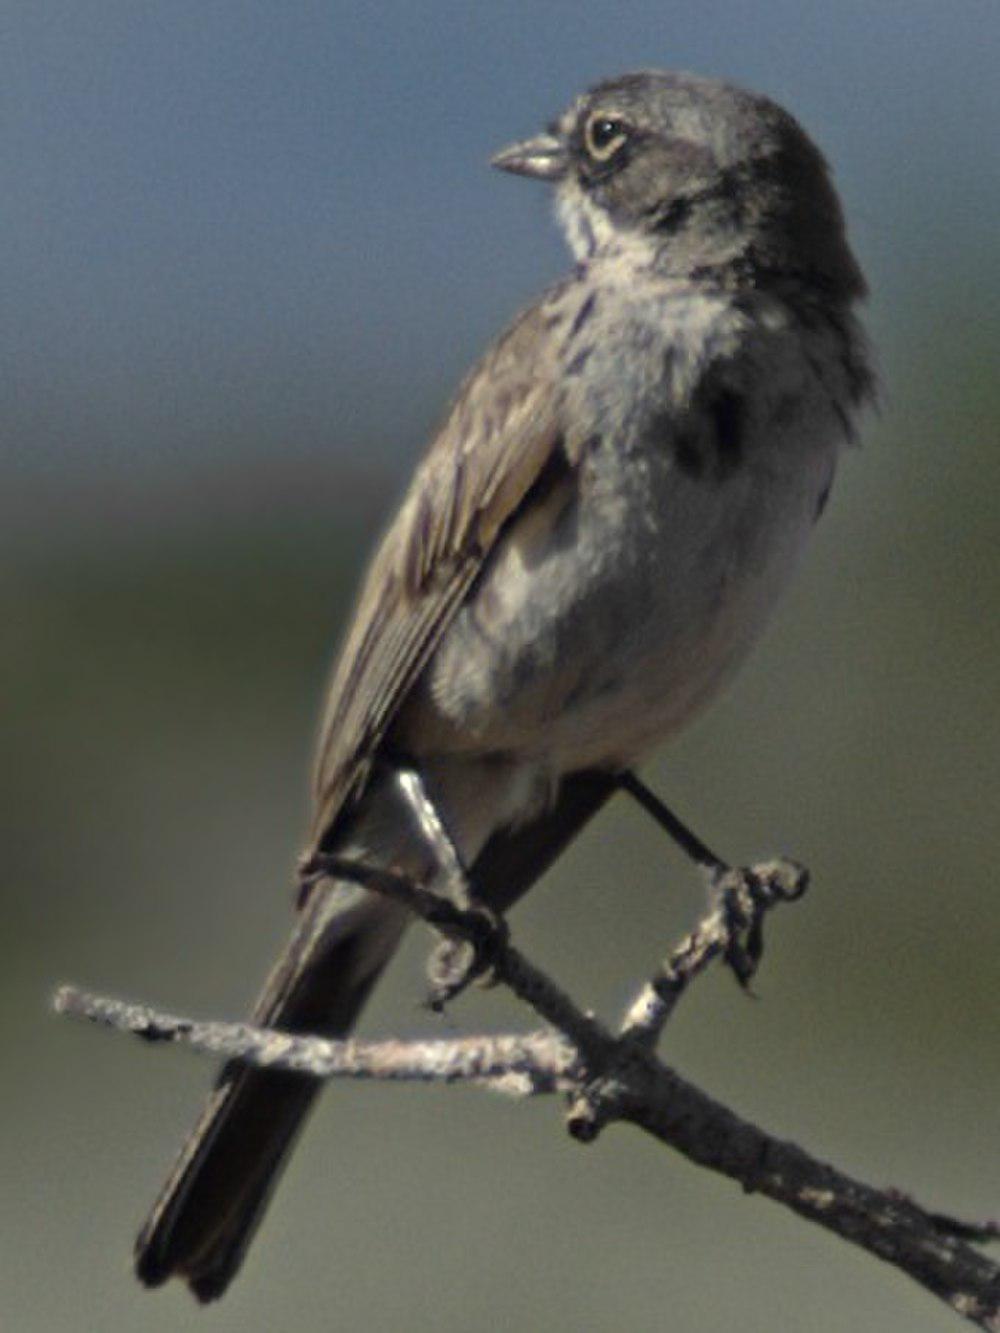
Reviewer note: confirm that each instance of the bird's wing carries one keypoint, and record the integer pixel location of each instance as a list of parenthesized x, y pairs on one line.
[(503, 429)]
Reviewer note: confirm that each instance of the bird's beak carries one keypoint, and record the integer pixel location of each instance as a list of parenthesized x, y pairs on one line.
[(543, 157)]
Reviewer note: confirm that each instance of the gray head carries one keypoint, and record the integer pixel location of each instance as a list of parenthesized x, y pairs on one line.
[(706, 176)]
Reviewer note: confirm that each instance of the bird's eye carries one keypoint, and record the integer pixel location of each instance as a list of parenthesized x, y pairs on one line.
[(604, 136)]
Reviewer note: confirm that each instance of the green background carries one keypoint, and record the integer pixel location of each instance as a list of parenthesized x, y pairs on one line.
[(249, 250)]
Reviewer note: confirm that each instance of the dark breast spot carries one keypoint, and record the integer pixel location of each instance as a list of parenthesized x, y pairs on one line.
[(729, 418), (707, 443), (687, 455), (682, 437)]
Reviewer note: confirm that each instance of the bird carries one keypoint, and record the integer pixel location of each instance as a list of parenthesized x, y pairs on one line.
[(588, 550)]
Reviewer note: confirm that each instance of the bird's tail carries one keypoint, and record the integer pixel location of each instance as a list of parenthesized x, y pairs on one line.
[(220, 1185)]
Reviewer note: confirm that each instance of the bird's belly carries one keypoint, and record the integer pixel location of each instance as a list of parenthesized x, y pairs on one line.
[(613, 614)]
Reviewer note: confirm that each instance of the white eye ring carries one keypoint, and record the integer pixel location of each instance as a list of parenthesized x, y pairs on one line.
[(603, 135)]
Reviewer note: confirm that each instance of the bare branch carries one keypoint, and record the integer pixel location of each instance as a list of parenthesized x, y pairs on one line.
[(618, 1078), (528, 1065), (921, 1244)]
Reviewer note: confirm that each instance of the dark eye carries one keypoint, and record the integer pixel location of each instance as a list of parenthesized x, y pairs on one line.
[(604, 135)]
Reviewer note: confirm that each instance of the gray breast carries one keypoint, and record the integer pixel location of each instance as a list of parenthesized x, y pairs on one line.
[(621, 598)]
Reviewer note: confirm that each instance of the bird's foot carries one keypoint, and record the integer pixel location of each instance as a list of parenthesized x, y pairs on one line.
[(466, 955), (743, 895)]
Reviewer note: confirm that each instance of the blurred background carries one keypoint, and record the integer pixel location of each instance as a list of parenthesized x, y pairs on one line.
[(248, 251)]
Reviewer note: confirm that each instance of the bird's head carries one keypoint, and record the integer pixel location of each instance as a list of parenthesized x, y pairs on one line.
[(700, 173)]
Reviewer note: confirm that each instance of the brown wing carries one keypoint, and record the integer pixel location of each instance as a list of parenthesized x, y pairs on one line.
[(499, 434)]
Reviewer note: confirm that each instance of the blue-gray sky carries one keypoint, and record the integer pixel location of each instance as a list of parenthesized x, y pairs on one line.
[(251, 229)]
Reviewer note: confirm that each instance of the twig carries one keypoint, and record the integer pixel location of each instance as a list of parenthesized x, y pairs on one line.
[(742, 897), (528, 1065)]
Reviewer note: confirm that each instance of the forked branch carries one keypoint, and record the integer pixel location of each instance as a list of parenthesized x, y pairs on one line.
[(610, 1077)]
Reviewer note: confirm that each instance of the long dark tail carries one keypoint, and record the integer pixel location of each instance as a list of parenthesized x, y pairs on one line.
[(216, 1194)]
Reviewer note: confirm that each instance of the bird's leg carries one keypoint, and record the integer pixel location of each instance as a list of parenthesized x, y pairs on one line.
[(454, 963), (447, 859), (741, 894), (688, 842)]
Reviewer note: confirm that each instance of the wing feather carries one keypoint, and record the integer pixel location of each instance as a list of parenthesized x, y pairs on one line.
[(501, 431)]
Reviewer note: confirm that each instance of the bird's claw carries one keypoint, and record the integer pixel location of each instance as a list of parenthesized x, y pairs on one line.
[(468, 955), (744, 895)]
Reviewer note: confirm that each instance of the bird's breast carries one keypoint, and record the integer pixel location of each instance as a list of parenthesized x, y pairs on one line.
[(615, 606)]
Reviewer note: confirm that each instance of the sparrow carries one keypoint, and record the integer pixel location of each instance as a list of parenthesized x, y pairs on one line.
[(592, 544)]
